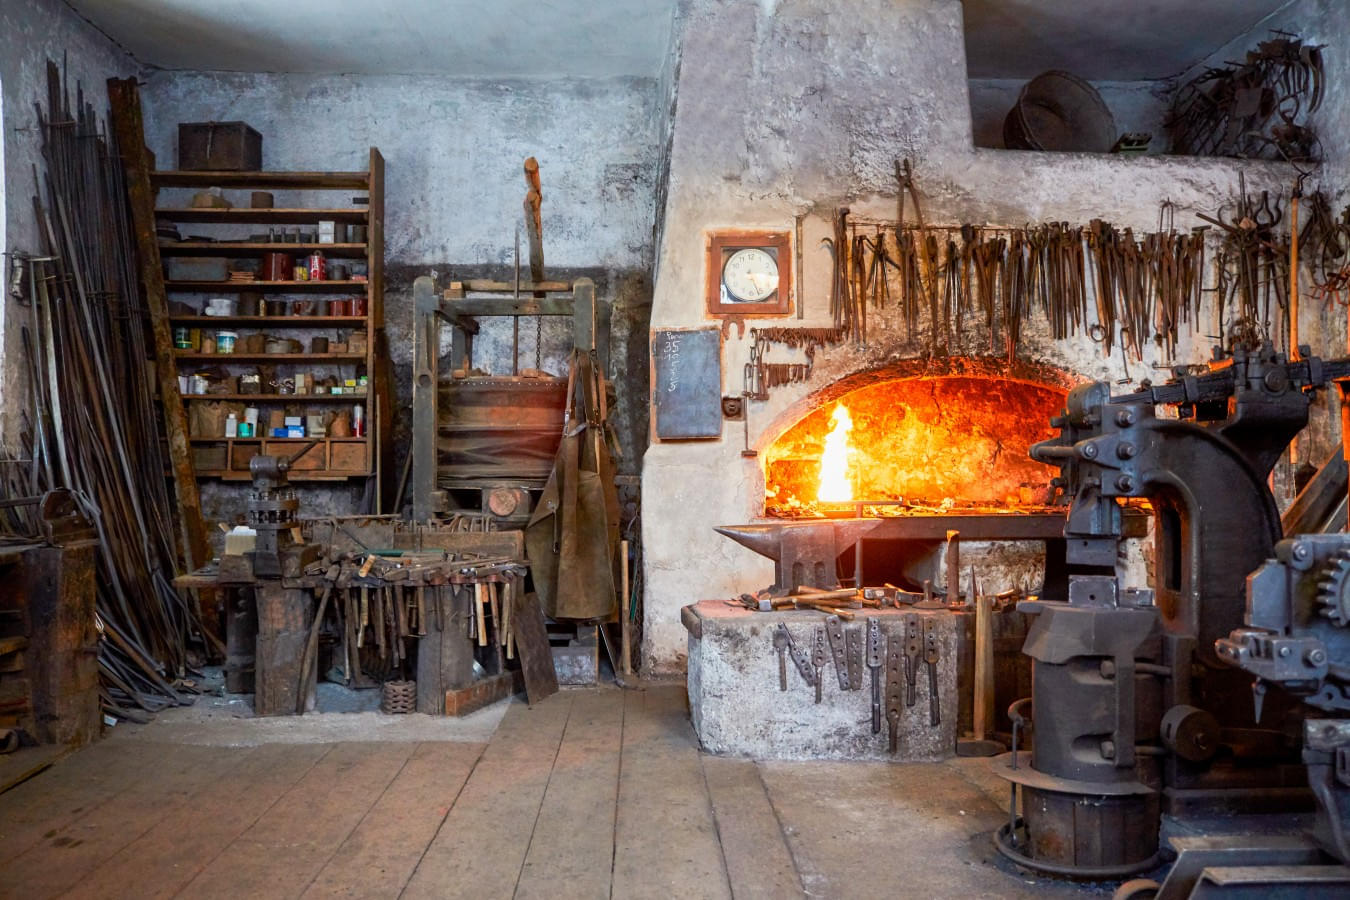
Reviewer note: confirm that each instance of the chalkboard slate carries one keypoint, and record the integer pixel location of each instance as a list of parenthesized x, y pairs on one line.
[(688, 387)]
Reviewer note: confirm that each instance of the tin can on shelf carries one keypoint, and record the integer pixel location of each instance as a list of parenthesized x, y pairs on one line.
[(277, 266), (318, 266), (182, 337), (225, 341)]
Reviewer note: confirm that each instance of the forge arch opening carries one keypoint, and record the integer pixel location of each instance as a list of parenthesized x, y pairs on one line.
[(935, 433)]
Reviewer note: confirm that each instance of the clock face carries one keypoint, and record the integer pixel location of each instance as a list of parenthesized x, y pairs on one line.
[(749, 276)]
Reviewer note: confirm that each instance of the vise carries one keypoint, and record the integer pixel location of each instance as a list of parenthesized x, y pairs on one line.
[(1176, 723)]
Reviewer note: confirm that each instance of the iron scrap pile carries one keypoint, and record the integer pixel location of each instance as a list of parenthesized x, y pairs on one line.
[(1257, 108), (93, 428)]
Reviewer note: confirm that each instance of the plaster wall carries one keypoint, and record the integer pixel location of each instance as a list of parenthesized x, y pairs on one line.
[(31, 33), (453, 150), (803, 105)]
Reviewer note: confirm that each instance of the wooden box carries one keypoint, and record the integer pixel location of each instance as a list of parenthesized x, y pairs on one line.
[(209, 456), (241, 453), (348, 456), (309, 461), (219, 147)]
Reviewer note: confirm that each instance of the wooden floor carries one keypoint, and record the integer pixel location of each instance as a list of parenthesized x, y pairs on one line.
[(599, 793)]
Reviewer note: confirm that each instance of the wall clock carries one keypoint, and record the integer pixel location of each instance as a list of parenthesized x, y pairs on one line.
[(749, 273)]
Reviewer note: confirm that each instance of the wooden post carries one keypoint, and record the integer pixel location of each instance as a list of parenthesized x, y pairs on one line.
[(285, 616), (984, 667), (444, 653), (625, 623), (583, 314), (953, 567), (426, 331), (61, 662), (241, 640), (126, 119)]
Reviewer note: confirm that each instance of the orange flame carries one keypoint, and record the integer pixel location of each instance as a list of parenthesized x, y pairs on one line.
[(835, 485)]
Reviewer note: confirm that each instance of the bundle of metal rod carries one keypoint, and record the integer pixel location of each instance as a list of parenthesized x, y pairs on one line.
[(846, 306), (94, 429)]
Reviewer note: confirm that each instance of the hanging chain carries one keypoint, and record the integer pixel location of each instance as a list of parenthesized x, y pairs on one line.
[(538, 339)]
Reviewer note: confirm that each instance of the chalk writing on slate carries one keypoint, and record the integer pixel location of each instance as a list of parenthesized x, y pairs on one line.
[(688, 385)]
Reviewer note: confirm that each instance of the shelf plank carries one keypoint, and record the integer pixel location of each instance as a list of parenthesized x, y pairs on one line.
[(273, 440), (252, 248), (292, 476), (267, 287), (269, 357), (260, 216), (297, 180), (281, 398), (272, 321)]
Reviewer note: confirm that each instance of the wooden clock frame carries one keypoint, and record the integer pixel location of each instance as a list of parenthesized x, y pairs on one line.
[(721, 244)]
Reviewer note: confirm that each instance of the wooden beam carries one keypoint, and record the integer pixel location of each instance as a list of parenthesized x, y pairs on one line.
[(127, 123), (484, 286), (357, 181), (505, 306)]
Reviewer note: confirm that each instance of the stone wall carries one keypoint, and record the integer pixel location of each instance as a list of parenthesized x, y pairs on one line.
[(803, 105), (31, 33)]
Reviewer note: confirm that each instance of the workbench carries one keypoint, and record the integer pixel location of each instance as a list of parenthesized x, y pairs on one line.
[(283, 610)]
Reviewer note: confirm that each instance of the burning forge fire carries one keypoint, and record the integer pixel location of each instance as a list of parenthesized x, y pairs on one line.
[(835, 484), (933, 442)]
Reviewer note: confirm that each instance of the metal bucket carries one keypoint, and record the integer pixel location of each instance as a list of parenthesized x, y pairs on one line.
[(1059, 111)]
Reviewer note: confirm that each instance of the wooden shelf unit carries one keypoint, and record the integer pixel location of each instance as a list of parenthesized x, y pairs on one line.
[(332, 459)]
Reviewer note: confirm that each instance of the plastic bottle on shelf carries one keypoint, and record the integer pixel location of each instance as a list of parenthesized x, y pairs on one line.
[(358, 421)]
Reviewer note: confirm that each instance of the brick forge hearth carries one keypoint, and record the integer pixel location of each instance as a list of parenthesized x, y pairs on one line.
[(692, 488)]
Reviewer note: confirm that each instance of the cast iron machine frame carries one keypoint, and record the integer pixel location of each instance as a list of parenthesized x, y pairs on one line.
[(1135, 711)]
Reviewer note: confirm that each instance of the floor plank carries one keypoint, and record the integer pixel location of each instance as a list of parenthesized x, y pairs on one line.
[(100, 833), (72, 787), (163, 860), (24, 763), (759, 863), (666, 840), (279, 855), (572, 849), (901, 830), (379, 856), (482, 842)]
